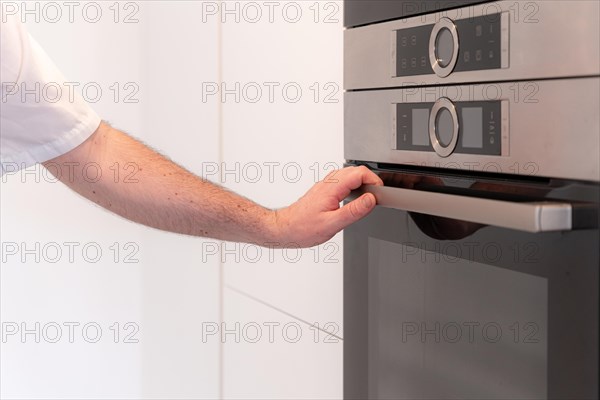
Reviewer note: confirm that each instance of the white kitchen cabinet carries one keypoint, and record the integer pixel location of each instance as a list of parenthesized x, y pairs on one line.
[(281, 134), (268, 354)]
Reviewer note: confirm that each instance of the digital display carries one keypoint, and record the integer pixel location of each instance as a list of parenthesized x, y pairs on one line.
[(420, 127), (471, 130), (412, 51)]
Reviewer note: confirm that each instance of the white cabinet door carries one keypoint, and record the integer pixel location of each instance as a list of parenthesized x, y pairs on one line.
[(268, 354), (282, 112), (282, 131)]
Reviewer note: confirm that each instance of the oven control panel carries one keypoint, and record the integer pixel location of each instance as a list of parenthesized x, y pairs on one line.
[(471, 44), (446, 127)]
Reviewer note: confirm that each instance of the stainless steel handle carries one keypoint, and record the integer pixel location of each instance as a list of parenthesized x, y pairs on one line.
[(529, 217)]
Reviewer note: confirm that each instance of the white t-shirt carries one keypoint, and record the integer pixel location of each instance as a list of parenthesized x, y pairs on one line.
[(41, 117)]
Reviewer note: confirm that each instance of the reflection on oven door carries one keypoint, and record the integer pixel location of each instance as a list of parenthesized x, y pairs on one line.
[(451, 328)]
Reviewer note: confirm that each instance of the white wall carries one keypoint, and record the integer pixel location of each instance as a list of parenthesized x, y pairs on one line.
[(176, 52)]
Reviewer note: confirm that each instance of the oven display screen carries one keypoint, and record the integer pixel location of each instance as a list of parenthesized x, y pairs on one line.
[(420, 126), (471, 132)]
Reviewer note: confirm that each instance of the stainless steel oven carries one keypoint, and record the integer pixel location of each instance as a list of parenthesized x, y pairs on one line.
[(477, 275), (494, 41)]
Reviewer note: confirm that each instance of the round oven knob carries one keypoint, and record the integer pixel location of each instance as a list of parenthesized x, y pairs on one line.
[(443, 127), (443, 47)]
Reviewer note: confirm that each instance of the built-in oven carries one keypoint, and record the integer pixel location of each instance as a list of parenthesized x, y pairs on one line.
[(477, 274), (501, 304), (506, 40)]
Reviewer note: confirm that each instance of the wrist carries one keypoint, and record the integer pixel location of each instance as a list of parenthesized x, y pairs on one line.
[(276, 228), (281, 230)]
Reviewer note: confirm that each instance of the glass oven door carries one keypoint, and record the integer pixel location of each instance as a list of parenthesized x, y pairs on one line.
[(502, 304)]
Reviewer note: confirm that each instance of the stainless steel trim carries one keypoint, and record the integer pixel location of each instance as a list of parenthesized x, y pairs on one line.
[(393, 45), (553, 40), (528, 217), (554, 128), (443, 23), (440, 149)]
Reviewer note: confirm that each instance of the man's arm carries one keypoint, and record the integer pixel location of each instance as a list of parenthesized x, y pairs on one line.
[(165, 196)]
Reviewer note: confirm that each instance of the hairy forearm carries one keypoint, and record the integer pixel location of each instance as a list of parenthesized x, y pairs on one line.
[(161, 194)]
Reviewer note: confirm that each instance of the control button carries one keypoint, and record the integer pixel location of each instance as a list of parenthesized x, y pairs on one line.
[(443, 127), (443, 47), (478, 55)]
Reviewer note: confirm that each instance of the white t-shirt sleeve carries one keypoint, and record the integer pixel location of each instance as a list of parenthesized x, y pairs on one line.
[(41, 116)]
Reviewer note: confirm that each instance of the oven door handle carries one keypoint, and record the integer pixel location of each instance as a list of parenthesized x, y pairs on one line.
[(523, 216)]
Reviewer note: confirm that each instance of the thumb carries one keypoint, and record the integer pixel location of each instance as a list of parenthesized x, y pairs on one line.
[(353, 211)]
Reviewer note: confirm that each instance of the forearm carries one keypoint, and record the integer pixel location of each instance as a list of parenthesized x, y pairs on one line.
[(161, 194)]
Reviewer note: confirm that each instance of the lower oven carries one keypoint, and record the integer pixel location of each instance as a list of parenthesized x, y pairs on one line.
[(467, 282), (438, 308)]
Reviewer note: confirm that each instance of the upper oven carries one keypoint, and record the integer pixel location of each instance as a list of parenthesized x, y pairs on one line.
[(499, 41), (477, 274)]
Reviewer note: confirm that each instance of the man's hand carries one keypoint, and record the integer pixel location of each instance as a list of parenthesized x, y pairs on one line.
[(165, 196), (317, 216)]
